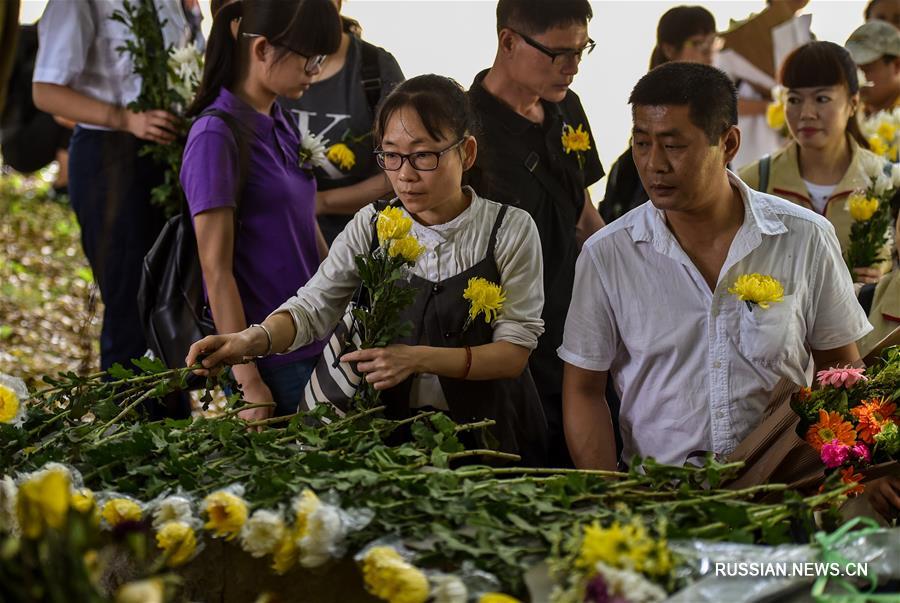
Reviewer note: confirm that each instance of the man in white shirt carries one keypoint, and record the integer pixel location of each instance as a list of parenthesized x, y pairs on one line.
[(693, 364)]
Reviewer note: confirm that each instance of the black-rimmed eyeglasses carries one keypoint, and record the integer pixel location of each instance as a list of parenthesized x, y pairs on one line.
[(313, 63), (574, 54), (423, 161)]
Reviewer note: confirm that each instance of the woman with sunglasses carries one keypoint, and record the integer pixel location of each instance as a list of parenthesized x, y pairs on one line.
[(255, 223), (474, 370)]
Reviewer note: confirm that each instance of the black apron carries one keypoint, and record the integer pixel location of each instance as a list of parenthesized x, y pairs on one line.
[(438, 315)]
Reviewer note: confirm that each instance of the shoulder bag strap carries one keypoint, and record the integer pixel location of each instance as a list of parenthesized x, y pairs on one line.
[(370, 73)]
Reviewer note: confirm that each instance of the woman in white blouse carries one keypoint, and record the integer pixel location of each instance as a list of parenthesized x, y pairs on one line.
[(481, 371)]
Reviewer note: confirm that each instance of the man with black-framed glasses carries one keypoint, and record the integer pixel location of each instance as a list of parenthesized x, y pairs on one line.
[(537, 152)]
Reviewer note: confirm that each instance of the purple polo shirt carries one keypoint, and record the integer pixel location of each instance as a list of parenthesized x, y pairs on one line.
[(275, 249)]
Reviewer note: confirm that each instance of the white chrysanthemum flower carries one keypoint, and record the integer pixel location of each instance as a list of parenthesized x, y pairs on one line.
[(883, 183), (325, 531), (187, 64), (9, 522), (446, 588), (895, 174), (172, 508), (262, 533), (873, 166), (630, 585), (313, 150)]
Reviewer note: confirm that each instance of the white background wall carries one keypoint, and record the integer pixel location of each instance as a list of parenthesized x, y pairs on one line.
[(457, 38)]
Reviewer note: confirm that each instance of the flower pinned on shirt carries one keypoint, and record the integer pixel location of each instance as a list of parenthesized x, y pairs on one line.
[(312, 153), (576, 140), (757, 289), (342, 156), (485, 298), (862, 208)]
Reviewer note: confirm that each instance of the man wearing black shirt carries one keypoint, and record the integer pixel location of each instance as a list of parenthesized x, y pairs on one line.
[(536, 151)]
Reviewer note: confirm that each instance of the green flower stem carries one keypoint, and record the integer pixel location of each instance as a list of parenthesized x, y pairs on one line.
[(272, 420), (726, 495), (482, 452), (125, 411), (359, 415), (395, 424), (476, 425), (235, 411)]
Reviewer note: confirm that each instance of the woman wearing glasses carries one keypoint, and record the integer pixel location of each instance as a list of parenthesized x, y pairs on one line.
[(473, 371), (255, 223)]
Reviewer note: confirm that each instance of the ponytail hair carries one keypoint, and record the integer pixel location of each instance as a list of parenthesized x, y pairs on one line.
[(305, 27), (220, 61)]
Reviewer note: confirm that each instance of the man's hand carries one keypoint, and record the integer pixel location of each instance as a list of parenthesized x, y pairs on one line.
[(884, 494)]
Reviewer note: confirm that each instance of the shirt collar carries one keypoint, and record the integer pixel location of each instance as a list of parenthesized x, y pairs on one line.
[(497, 110), (760, 216), (432, 236), (785, 172), (262, 125)]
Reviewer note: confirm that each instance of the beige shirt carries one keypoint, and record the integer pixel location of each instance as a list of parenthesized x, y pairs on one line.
[(450, 249)]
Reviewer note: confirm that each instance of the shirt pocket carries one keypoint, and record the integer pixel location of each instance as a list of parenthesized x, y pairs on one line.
[(771, 335)]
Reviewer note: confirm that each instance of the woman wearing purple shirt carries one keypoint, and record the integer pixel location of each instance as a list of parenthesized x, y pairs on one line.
[(254, 260)]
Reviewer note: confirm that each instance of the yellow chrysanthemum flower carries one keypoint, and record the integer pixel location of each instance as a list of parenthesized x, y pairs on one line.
[(627, 546), (775, 116), (497, 598), (118, 510), (342, 156), (43, 500), (575, 139), (392, 224), (862, 208), (408, 248), (178, 541), (389, 577), (227, 514), (82, 500), (757, 288), (878, 146), (485, 297), (285, 555), (151, 590), (886, 130), (9, 404), (305, 505)]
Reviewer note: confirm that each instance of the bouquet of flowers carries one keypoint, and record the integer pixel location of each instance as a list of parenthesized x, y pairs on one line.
[(870, 209), (169, 79), (383, 273), (882, 131), (852, 420)]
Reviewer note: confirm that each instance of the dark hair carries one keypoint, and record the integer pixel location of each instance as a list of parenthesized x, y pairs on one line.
[(676, 26), (818, 64), (867, 14), (306, 27), (216, 5), (709, 94), (441, 103), (534, 17)]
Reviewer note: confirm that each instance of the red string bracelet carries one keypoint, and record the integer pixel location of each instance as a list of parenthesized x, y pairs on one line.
[(468, 362)]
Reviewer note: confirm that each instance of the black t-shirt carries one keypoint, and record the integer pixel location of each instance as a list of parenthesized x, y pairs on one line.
[(524, 164), (337, 109)]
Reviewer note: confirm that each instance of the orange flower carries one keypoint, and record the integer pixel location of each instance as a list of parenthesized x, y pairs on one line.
[(831, 426), (804, 394), (871, 415), (849, 477)]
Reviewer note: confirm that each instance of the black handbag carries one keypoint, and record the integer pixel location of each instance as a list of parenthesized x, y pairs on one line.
[(171, 304)]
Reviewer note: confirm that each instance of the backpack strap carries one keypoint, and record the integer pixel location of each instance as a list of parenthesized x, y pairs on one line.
[(493, 240), (370, 73), (239, 133), (765, 167)]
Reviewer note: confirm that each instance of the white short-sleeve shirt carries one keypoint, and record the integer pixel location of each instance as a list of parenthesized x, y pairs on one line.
[(78, 47), (694, 368)]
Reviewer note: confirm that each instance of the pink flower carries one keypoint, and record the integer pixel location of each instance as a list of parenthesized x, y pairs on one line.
[(841, 377), (861, 453), (835, 454)]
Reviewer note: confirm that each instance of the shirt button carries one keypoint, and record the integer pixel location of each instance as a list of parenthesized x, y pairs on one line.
[(720, 414), (433, 276), (432, 255), (717, 364)]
